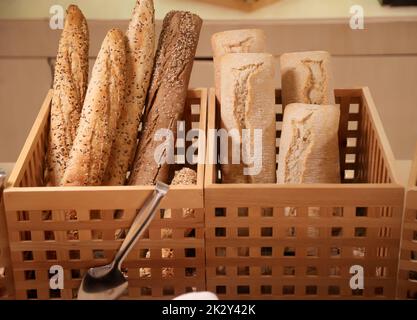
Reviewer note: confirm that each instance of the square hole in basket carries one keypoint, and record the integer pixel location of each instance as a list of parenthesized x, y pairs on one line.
[(54, 294), (333, 290), (311, 290), (266, 270), (189, 233), (189, 252), (162, 214), (379, 291), (167, 272), (266, 232), (220, 251), (351, 142), (290, 212), (360, 232), (74, 254), (266, 251), (144, 253), (96, 235), (288, 290), (166, 233), (337, 232), (190, 289), (32, 294), (220, 270), (312, 252), (167, 253), (27, 255), (337, 212), (381, 272), (361, 211), (221, 290), (334, 271), (349, 174), (243, 271), (220, 232), (243, 289), (24, 216), (242, 212), (290, 232), (357, 292), (289, 271), (313, 212), (168, 291), (358, 252), (243, 232), (267, 212), (220, 212), (313, 232), (30, 274), (312, 271), (95, 215), (335, 251), (352, 125), (45, 216), (25, 235), (412, 275), (146, 291), (243, 251), (190, 271), (75, 274), (49, 235), (266, 289), (51, 255), (98, 254), (289, 252), (413, 255), (354, 108), (350, 158), (145, 273), (414, 235)]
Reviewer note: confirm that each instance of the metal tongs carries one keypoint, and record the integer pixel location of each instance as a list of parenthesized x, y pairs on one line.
[(108, 282)]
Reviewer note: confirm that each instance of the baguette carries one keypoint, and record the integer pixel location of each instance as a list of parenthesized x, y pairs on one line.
[(139, 59), (69, 88), (167, 93), (248, 102), (307, 78), (235, 41), (309, 149), (102, 106)]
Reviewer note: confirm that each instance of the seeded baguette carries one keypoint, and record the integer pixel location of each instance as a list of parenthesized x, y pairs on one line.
[(139, 60), (69, 88), (101, 111), (167, 93), (235, 41), (307, 78)]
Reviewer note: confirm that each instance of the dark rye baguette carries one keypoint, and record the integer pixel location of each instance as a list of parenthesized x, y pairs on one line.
[(101, 111), (167, 93), (139, 60), (69, 88)]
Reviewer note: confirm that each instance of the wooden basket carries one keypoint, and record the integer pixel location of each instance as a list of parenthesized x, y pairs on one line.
[(6, 282), (38, 231), (407, 276), (254, 250)]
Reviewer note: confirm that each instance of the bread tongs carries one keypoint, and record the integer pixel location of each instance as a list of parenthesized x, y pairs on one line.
[(108, 282)]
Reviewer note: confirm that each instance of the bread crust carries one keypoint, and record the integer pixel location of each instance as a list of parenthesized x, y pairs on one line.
[(69, 88), (90, 153), (140, 49), (167, 93)]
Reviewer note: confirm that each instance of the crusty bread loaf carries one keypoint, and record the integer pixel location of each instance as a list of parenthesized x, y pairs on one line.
[(235, 41), (167, 93), (69, 87), (309, 149), (248, 102), (307, 78), (101, 110), (139, 60)]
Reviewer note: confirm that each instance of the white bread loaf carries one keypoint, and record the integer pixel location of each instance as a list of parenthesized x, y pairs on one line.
[(235, 41), (309, 149), (248, 102), (101, 111), (69, 88), (307, 78), (139, 63)]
